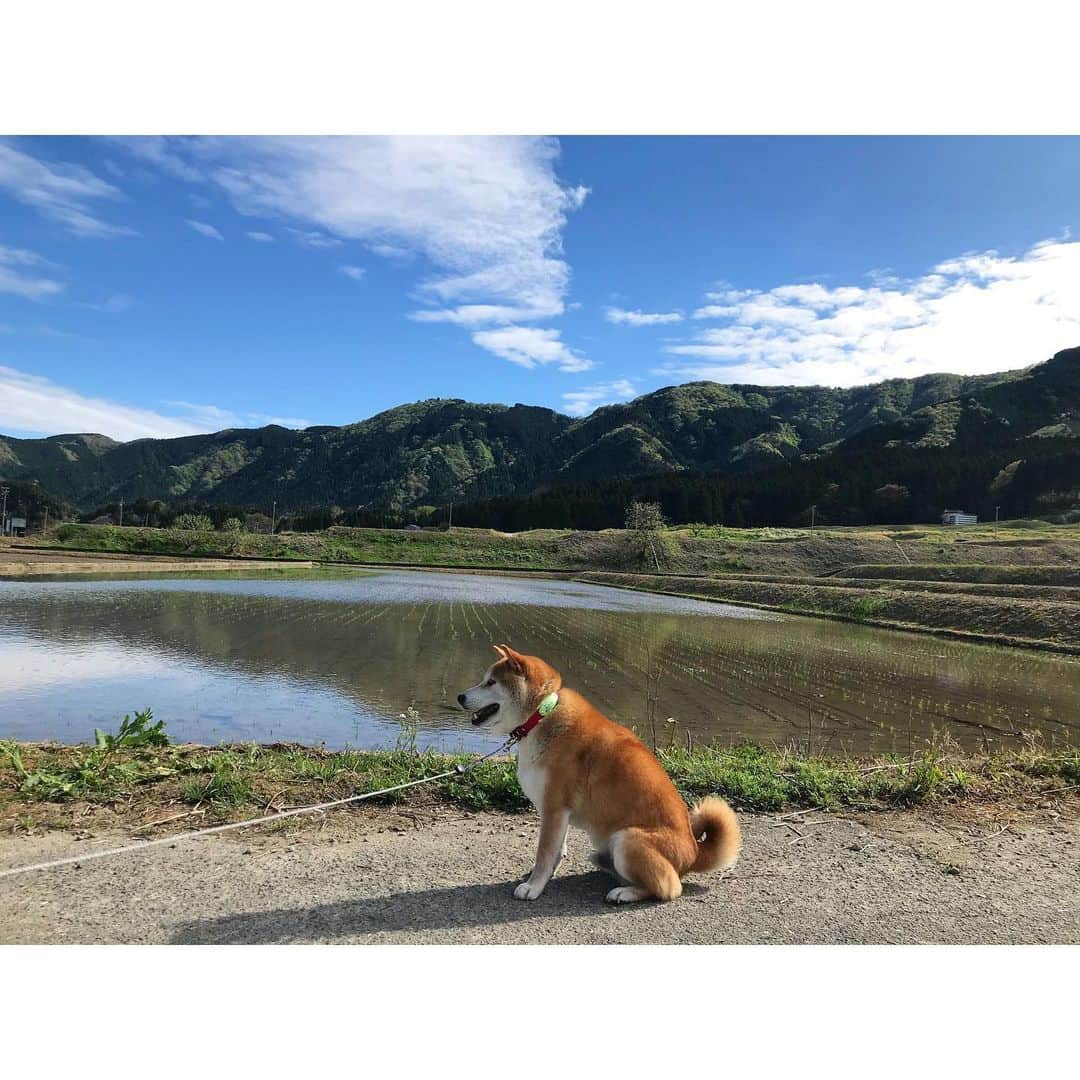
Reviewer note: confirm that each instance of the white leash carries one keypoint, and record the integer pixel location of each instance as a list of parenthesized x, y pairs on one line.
[(457, 770)]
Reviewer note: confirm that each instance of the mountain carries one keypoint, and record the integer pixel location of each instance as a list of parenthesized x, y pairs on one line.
[(1007, 444), (711, 426), (430, 452)]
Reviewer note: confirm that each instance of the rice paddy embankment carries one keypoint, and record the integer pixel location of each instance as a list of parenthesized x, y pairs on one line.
[(1005, 620), (1048, 554)]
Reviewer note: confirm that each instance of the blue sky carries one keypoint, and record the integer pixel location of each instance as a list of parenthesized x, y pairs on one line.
[(166, 286)]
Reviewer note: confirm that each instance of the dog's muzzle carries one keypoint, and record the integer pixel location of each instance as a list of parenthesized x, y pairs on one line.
[(486, 713)]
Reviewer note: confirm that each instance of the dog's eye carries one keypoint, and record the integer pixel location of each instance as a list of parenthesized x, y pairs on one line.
[(490, 682)]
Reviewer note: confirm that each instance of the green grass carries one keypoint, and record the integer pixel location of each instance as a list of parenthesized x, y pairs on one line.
[(863, 607), (223, 788), (970, 573), (539, 549), (230, 779), (100, 769), (765, 779), (738, 536), (695, 549), (181, 542)]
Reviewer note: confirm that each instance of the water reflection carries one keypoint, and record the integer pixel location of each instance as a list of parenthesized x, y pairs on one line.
[(337, 660)]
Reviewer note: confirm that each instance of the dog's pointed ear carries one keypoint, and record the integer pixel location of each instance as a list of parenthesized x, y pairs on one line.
[(500, 650), (514, 659)]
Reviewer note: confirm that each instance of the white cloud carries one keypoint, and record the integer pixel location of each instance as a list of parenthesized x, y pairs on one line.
[(354, 272), (60, 192), (32, 405), (529, 346), (214, 418), (390, 251), (721, 301), (13, 280), (715, 311), (974, 314), (205, 229), (113, 305), (641, 318), (584, 401), (473, 314), (162, 152), (485, 214), (260, 237), (315, 239)]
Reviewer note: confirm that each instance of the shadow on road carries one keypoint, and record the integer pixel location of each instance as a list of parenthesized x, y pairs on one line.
[(425, 909)]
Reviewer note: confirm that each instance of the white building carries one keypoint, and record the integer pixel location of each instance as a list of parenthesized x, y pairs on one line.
[(958, 517)]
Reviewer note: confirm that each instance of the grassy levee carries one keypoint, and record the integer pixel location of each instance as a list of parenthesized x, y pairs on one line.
[(192, 543), (466, 548), (902, 584), (41, 783), (972, 573), (1049, 624), (690, 550)]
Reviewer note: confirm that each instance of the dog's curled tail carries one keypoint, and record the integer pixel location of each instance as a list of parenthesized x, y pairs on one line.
[(722, 835)]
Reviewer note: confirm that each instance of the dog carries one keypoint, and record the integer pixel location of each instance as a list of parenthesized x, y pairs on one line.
[(579, 768)]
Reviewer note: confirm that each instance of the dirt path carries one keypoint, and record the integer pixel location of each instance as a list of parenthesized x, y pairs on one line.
[(21, 562), (443, 876)]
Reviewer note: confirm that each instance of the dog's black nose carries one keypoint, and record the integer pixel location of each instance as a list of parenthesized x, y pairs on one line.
[(461, 700)]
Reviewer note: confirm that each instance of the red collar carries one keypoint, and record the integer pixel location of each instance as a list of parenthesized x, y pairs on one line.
[(522, 730), (545, 708)]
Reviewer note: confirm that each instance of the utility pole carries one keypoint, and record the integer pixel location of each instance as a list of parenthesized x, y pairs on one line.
[(813, 516), (3, 510), (45, 527), (121, 511), (273, 519), (450, 519), (997, 510)]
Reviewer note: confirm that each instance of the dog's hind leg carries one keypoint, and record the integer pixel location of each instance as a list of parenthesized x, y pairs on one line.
[(602, 860), (638, 860)]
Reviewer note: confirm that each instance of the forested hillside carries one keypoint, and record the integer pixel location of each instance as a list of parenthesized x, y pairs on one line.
[(897, 450)]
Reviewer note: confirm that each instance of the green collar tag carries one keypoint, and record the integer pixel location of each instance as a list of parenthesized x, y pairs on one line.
[(547, 706)]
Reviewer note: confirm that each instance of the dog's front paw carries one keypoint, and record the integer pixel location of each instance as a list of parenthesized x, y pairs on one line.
[(527, 891)]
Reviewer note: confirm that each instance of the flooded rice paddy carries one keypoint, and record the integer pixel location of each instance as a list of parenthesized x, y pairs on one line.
[(314, 657)]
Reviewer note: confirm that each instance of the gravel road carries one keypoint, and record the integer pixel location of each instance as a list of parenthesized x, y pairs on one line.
[(386, 875)]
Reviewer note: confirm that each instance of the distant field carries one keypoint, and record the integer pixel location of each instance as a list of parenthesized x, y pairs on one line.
[(1014, 583), (1003, 531), (688, 549)]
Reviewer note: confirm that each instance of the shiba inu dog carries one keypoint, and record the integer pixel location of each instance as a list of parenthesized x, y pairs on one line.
[(579, 768)]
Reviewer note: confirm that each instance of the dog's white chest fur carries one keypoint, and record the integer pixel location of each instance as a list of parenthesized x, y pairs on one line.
[(531, 773)]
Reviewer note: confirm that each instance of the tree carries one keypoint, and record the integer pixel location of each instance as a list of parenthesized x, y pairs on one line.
[(232, 525), (257, 523), (646, 519), (890, 503), (193, 522)]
